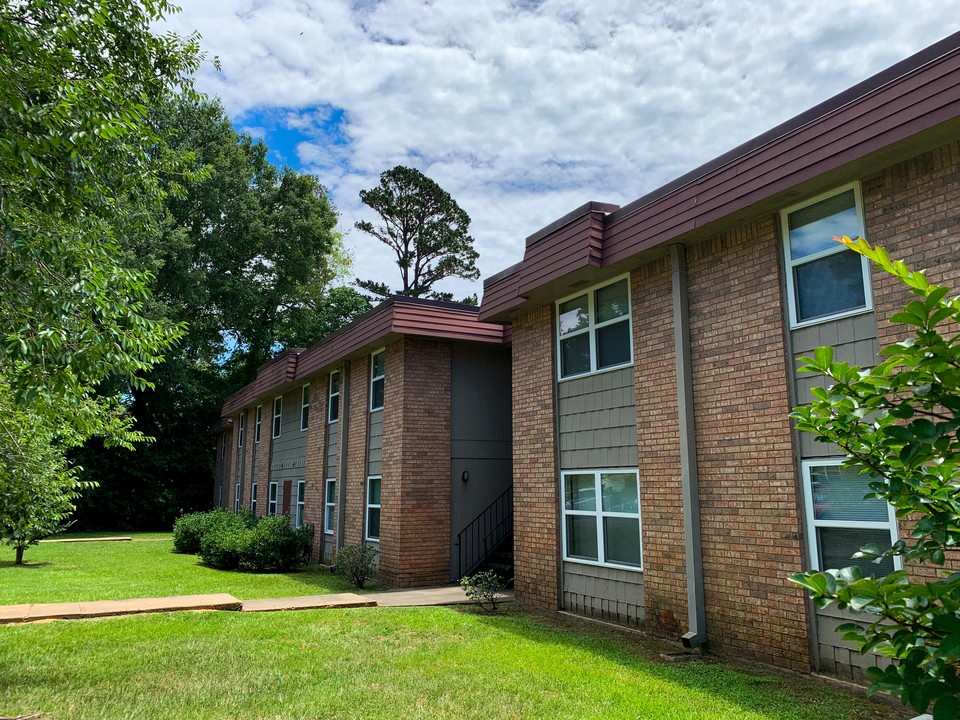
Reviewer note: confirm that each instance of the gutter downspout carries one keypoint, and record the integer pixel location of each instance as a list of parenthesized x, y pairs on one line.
[(696, 614), (344, 437)]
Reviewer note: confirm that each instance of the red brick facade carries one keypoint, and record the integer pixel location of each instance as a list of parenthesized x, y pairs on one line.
[(313, 471), (356, 477), (263, 459)]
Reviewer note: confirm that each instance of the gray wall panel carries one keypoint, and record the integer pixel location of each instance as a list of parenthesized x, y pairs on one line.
[(330, 462), (597, 421), (375, 444), (606, 593), (290, 449)]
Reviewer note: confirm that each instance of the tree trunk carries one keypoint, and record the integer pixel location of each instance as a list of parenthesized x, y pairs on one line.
[(20, 550)]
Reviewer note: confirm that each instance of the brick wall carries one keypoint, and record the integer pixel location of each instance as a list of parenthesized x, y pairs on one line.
[(913, 210), (230, 477), (749, 491), (313, 468), (264, 451), (535, 477), (356, 471), (415, 513), (248, 456), (658, 450)]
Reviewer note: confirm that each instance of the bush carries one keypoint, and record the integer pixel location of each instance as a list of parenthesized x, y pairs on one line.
[(189, 530), (483, 588), (225, 546), (229, 541), (357, 562), (272, 545)]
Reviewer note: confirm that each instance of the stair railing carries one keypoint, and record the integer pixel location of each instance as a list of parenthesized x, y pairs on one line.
[(482, 535)]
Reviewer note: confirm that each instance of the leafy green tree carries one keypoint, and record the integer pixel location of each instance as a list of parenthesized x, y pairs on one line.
[(426, 229), (898, 423)]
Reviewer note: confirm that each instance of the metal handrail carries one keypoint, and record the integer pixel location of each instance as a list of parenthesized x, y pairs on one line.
[(481, 537)]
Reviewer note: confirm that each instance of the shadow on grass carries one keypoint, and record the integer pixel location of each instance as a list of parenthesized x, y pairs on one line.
[(27, 565), (767, 693)]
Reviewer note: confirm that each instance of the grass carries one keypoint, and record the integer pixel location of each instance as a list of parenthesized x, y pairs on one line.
[(377, 663), (143, 567)]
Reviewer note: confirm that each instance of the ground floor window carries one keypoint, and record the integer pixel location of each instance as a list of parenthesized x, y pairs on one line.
[(237, 489), (253, 498), (601, 517), (272, 500), (301, 486), (373, 508), (329, 503), (841, 521)]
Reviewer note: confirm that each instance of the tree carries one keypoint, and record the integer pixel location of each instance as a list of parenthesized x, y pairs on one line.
[(898, 423), (425, 228)]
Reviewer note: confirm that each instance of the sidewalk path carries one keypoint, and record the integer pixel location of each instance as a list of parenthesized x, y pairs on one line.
[(445, 595)]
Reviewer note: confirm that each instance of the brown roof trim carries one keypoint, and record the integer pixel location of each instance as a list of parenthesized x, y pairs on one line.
[(395, 316), (221, 425), (913, 96)]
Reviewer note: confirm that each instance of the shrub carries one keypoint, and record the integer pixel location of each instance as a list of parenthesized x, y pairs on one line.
[(272, 545), (189, 530), (225, 546), (483, 588), (357, 562)]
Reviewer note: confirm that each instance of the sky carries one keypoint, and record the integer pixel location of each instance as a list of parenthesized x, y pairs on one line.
[(524, 110)]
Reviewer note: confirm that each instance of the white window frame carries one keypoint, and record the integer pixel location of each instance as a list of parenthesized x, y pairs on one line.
[(305, 407), (813, 523), (790, 263), (236, 497), (253, 497), (273, 499), (374, 378), (368, 506), (256, 425), (329, 506), (592, 327), (331, 395), (220, 494), (277, 427), (301, 503), (223, 446), (241, 427), (599, 514)]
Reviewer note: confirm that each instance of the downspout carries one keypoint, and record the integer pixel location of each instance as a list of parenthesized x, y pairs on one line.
[(344, 437), (696, 634)]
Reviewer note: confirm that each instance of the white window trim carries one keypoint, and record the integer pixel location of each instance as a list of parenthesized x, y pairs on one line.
[(305, 407), (813, 553), (330, 395), (591, 328), (256, 427), (599, 514), (273, 504), (277, 427), (791, 264), (329, 508), (368, 505), (301, 504), (241, 427), (374, 378), (223, 446), (253, 497), (236, 497)]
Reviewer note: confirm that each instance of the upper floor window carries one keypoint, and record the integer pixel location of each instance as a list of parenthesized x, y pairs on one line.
[(841, 521), (333, 404), (593, 330), (240, 428), (825, 280), (305, 407), (256, 424), (377, 374), (277, 415)]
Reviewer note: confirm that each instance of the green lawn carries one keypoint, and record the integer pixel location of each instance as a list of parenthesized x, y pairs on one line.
[(384, 663), (143, 567)]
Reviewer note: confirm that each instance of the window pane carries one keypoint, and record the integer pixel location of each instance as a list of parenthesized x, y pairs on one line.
[(582, 537), (253, 492), (331, 492), (619, 492), (376, 394), (334, 408), (837, 545), (838, 495), (273, 493), (613, 345), (334, 383), (580, 492), (829, 285), (300, 489), (813, 228), (378, 364), (621, 540), (373, 522), (575, 355), (574, 315), (612, 301), (373, 495), (305, 417)]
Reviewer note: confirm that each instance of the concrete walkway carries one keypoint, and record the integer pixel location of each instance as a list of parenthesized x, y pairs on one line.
[(419, 597)]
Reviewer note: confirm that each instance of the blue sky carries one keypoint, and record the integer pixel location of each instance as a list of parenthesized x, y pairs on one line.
[(526, 109)]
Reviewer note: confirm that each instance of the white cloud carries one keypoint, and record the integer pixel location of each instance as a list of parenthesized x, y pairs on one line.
[(525, 110)]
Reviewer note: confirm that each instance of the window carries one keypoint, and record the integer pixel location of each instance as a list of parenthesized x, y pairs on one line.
[(301, 487), (277, 413), (593, 330), (304, 408), (601, 517), (841, 521), (240, 429), (272, 500), (329, 503), (236, 497), (825, 280), (333, 404), (373, 508), (377, 371), (253, 498), (256, 425), (223, 446)]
